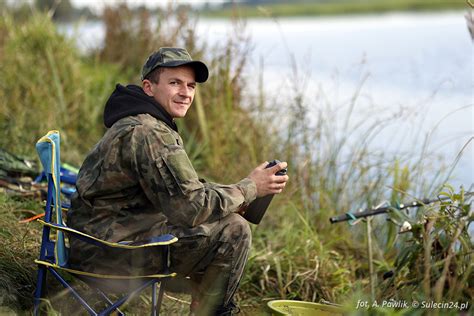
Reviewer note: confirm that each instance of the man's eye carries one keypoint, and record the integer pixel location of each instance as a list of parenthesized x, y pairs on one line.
[(174, 83), (192, 87)]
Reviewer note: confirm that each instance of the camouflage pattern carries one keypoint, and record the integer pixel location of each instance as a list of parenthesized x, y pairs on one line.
[(216, 262), (172, 57), (138, 182)]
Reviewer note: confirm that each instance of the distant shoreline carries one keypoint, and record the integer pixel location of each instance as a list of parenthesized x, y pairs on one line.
[(328, 9)]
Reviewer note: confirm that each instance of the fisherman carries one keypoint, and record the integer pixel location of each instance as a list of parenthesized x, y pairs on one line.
[(138, 182)]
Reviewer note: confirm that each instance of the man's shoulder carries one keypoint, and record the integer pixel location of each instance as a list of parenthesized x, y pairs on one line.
[(151, 127), (150, 122), (144, 122)]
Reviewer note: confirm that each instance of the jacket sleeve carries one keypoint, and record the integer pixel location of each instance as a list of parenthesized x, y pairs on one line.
[(172, 185)]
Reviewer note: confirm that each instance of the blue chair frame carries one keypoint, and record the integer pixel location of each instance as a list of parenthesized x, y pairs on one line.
[(53, 253)]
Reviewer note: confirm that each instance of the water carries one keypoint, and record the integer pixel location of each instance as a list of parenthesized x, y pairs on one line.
[(419, 65)]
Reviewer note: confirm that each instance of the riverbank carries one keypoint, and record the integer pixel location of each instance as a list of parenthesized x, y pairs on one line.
[(331, 8)]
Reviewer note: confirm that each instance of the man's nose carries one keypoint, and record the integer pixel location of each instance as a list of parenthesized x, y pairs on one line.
[(185, 91)]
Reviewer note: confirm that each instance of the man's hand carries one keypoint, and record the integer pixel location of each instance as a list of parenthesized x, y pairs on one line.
[(266, 180)]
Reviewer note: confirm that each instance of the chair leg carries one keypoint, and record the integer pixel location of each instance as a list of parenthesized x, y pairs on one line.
[(109, 301), (125, 298), (153, 299), (160, 297), (40, 289)]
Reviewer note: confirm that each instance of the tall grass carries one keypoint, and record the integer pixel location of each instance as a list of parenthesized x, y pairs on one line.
[(296, 254), (46, 85)]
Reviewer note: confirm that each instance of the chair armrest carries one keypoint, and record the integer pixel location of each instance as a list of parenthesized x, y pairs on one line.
[(153, 240), (162, 240)]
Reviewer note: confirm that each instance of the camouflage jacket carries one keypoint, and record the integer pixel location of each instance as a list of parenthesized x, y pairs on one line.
[(139, 177)]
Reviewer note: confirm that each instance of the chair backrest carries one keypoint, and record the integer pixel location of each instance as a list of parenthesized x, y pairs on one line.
[(48, 148)]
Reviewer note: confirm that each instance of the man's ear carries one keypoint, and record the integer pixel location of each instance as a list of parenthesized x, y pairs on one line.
[(147, 87)]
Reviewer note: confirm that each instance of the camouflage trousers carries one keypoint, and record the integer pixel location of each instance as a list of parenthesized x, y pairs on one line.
[(209, 259), (214, 259)]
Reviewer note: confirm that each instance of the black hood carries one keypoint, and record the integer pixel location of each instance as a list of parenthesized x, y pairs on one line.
[(131, 100)]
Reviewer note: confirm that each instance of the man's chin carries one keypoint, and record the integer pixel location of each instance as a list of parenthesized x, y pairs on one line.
[(179, 114)]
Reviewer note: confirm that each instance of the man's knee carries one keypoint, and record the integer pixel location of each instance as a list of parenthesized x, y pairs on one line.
[(238, 231)]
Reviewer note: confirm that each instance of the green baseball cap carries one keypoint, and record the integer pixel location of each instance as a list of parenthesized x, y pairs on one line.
[(174, 57)]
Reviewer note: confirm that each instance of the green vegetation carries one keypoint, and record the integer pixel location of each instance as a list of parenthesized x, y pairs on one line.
[(45, 84), (19, 247), (316, 8)]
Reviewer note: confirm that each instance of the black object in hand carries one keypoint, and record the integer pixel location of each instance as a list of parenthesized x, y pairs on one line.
[(259, 206), (282, 172)]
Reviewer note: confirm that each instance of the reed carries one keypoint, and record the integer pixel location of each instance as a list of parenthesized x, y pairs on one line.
[(46, 85)]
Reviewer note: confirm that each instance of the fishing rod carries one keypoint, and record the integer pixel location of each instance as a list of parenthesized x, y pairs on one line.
[(385, 209)]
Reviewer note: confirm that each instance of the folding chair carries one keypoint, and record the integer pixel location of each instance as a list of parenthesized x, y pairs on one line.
[(67, 176), (53, 256)]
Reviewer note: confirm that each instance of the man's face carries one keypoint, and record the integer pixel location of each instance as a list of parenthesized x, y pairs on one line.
[(175, 90)]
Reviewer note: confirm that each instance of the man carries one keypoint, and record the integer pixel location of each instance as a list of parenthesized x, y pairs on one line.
[(138, 182)]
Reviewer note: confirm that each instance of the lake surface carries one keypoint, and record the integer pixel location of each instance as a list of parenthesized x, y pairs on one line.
[(417, 67)]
